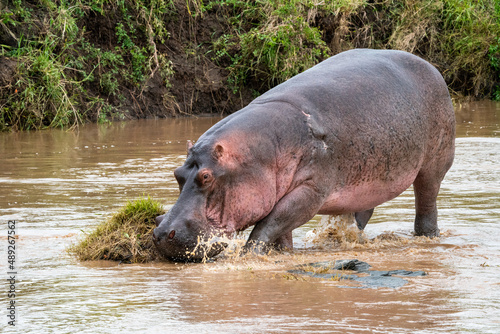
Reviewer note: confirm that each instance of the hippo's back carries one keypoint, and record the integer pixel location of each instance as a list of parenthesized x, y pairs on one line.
[(385, 114), (345, 83)]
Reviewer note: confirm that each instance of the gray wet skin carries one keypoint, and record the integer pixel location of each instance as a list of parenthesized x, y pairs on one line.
[(344, 136)]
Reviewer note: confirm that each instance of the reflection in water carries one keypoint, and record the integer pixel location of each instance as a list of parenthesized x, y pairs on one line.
[(57, 184)]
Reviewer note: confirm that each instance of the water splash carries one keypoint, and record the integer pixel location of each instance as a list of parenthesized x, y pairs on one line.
[(341, 233)]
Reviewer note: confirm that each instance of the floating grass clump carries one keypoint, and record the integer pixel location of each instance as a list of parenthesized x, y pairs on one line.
[(126, 236)]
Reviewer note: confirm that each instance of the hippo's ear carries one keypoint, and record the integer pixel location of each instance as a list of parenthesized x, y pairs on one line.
[(189, 145), (225, 156), (218, 151)]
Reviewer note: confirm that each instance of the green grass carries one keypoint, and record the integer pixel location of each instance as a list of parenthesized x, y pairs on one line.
[(62, 77), (67, 73), (471, 30), (126, 236), (270, 41)]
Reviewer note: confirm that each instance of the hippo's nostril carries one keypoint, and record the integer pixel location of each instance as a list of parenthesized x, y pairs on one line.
[(157, 235), (171, 235)]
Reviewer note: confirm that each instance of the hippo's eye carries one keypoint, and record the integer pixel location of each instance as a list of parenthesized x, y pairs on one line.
[(204, 177)]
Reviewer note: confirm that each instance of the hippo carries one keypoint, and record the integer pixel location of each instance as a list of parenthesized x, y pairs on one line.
[(342, 137)]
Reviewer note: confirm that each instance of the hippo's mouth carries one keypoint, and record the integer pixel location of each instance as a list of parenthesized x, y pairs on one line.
[(203, 250)]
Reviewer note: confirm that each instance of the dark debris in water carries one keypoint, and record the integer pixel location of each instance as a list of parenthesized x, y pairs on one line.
[(336, 270)]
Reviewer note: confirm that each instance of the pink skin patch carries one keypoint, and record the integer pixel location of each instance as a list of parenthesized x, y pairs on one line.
[(365, 196), (248, 195)]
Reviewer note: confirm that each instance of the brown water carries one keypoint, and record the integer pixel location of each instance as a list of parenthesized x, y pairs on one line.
[(56, 184)]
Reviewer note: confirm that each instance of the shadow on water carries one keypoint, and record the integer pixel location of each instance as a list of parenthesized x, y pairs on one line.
[(59, 184)]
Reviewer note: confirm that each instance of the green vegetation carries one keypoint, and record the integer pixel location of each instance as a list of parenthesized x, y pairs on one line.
[(63, 76), (63, 62), (126, 236), (471, 30), (274, 40)]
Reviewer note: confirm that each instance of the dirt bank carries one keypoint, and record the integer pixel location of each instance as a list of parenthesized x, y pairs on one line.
[(98, 60)]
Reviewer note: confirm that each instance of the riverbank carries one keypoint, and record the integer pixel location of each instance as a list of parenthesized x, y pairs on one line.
[(95, 60)]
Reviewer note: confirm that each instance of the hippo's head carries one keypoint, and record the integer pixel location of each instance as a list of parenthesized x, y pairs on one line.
[(184, 240), (220, 193)]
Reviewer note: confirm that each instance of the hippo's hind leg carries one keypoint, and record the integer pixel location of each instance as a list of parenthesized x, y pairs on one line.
[(362, 218), (426, 189)]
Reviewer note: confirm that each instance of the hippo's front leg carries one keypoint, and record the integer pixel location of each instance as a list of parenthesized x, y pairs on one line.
[(293, 210), (284, 242)]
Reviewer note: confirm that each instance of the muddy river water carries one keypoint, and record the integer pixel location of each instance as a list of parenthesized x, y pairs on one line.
[(58, 184)]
